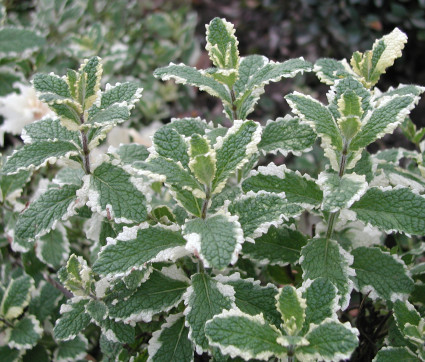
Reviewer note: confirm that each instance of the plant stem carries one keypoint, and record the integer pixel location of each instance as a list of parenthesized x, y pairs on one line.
[(206, 202), (234, 108), (86, 151), (10, 325)]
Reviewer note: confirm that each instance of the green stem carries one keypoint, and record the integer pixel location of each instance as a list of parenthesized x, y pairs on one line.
[(206, 202), (86, 151)]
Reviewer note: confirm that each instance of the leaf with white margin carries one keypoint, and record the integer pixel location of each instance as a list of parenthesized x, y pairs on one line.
[(11, 186), (137, 277), (252, 298), (69, 176), (279, 246), (127, 92), (48, 129), (15, 40), (300, 189), (217, 239), (325, 258), (397, 209), (406, 317), (241, 335), (44, 301), (228, 193), (68, 110), (76, 276), (43, 214), (380, 274), (205, 298), (169, 144), (401, 90), (321, 301), (108, 117), (400, 176), (391, 354), (418, 269), (184, 74), (51, 83), (189, 126), (113, 195), (158, 294), (258, 211), (24, 334), (53, 247), (73, 319), (117, 331), (16, 297), (72, 350), (138, 245), (329, 341), (341, 192), (129, 153), (291, 306), (286, 135), (171, 342), (234, 150), (97, 310), (188, 201), (35, 155), (329, 70), (88, 82)]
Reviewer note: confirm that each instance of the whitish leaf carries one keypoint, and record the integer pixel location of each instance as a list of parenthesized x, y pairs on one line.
[(405, 315), (43, 214), (399, 176), (49, 130), (127, 92), (53, 248), (73, 319), (381, 274), (108, 117), (300, 189), (286, 135), (329, 341), (72, 350), (330, 70), (15, 40), (88, 82), (25, 333), (242, 335), (113, 194), (326, 258), (291, 305), (401, 90), (187, 75), (394, 209), (341, 192), (189, 126), (205, 298), (234, 150), (257, 212), (158, 294), (170, 144), (16, 297), (217, 239), (390, 354), (279, 246), (69, 176), (252, 298), (76, 276), (171, 342), (45, 302), (36, 155), (136, 246)]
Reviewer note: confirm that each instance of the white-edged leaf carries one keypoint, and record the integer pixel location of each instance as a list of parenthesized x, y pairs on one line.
[(127, 92), (11, 186), (189, 126), (329, 70), (108, 117), (49, 129), (168, 143), (25, 333), (129, 153), (88, 82), (72, 350), (390, 354), (406, 316), (53, 248), (291, 306), (117, 331), (16, 297), (45, 301), (51, 83), (14, 41), (73, 319), (10, 354)]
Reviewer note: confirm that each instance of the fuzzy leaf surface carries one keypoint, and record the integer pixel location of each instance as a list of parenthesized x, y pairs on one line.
[(121, 92), (49, 130), (73, 349), (73, 320), (291, 306), (16, 297), (25, 333), (53, 248), (170, 144)]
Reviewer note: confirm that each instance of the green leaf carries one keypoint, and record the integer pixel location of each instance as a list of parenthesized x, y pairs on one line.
[(329, 341), (326, 258), (11, 186), (380, 274), (279, 246), (49, 129), (392, 209), (241, 335), (15, 40), (117, 331), (188, 201), (53, 248), (113, 194), (97, 310), (73, 319), (341, 192), (45, 302), (330, 70), (170, 144), (68, 110), (217, 239), (43, 214), (257, 212), (108, 117), (72, 350), (300, 189), (9, 354), (158, 294), (228, 193), (205, 298), (400, 176), (171, 342), (25, 333), (36, 155), (188, 126), (390, 354), (234, 150), (202, 159), (16, 297), (69, 176), (51, 83), (405, 316), (291, 305), (126, 92), (88, 82), (287, 135), (129, 153), (77, 276), (138, 245)]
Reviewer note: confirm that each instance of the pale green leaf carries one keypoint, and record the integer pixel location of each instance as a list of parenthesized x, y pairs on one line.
[(291, 305), (25, 333), (121, 92), (286, 135), (170, 144), (72, 350), (129, 153), (43, 214), (97, 310), (68, 110), (88, 82), (405, 315), (45, 302), (188, 201), (49, 129), (114, 195), (216, 239), (53, 248), (189, 126), (204, 168), (77, 276), (108, 117), (391, 354), (16, 40), (11, 186), (51, 83), (205, 298), (326, 258), (330, 70), (73, 319), (394, 209), (16, 297), (36, 155), (117, 331), (241, 335), (171, 342)]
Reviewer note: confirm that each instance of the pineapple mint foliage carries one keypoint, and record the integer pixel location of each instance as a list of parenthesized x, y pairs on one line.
[(186, 244)]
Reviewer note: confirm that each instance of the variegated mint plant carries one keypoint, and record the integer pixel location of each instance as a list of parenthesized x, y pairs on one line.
[(195, 247)]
